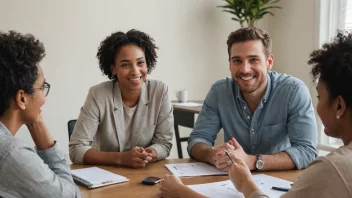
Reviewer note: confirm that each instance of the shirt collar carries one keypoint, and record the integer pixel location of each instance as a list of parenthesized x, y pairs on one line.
[(4, 129)]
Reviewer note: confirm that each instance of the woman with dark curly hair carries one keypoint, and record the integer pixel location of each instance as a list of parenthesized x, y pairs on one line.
[(25, 171), (127, 120), (328, 176)]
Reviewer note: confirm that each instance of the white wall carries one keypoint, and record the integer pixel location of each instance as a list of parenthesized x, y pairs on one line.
[(191, 35)]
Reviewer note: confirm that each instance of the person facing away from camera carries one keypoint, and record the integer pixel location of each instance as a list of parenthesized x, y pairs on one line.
[(25, 171), (127, 120), (327, 176), (267, 117)]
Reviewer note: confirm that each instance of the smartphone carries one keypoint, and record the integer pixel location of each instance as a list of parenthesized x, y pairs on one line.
[(151, 180)]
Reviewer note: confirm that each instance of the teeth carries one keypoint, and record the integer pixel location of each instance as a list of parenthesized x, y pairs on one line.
[(247, 78), (135, 79)]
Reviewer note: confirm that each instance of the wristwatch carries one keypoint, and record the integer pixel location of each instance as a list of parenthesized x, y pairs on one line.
[(260, 163)]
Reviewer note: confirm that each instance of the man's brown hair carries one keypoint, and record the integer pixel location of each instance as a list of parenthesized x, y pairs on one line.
[(249, 34)]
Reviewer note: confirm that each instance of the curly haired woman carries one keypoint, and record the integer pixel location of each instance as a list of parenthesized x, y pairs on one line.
[(127, 120)]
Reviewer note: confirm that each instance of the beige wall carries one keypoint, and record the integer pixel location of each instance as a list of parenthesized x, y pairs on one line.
[(191, 35)]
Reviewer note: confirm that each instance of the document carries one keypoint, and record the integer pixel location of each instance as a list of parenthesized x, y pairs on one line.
[(193, 169), (96, 177), (188, 104), (226, 189)]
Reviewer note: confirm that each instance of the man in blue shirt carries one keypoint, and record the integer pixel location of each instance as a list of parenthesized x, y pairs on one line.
[(268, 118)]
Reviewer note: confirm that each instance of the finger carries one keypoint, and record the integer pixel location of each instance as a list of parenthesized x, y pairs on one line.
[(235, 143), (226, 169), (229, 146), (239, 161), (139, 149)]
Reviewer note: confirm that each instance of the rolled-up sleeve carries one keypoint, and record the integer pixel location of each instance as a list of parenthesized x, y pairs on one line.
[(208, 122), (302, 128), (162, 138), (85, 129)]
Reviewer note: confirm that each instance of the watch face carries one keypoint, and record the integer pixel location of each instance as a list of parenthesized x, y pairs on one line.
[(259, 165)]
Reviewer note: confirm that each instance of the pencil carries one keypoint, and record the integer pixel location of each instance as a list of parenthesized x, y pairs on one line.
[(227, 154)]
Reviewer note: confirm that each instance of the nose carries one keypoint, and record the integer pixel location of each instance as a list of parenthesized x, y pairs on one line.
[(246, 67), (135, 70)]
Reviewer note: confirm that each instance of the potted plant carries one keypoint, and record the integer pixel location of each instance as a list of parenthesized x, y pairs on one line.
[(249, 11)]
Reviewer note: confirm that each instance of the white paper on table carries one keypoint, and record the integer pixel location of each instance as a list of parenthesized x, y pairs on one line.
[(193, 169), (188, 104), (226, 189)]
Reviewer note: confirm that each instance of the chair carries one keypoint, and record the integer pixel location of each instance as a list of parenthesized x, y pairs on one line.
[(71, 125)]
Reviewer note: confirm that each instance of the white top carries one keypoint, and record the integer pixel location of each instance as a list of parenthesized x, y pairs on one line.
[(128, 114)]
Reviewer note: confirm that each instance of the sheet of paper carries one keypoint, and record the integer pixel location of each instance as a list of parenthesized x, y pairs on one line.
[(97, 175), (226, 189), (193, 169), (188, 104)]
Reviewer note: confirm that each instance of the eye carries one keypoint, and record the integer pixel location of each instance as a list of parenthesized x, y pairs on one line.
[(254, 60), (236, 61), (140, 62), (124, 65)]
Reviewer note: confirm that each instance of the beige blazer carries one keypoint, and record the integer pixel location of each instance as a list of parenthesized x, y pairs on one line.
[(100, 124)]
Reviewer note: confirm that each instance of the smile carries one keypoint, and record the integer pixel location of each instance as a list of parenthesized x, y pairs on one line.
[(134, 79), (247, 78)]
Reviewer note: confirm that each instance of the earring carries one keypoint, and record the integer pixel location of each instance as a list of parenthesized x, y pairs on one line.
[(337, 117)]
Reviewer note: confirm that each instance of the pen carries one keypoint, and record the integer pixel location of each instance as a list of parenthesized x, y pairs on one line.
[(227, 154), (280, 188)]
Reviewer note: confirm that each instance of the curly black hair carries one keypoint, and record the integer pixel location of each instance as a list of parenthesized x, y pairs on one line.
[(333, 65), (108, 49), (19, 55)]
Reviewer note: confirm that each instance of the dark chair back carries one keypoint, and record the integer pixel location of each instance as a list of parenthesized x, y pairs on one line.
[(71, 126)]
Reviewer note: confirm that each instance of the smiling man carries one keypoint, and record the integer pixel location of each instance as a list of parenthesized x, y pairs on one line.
[(268, 118)]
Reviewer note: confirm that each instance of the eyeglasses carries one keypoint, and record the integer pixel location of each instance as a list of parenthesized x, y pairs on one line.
[(46, 88)]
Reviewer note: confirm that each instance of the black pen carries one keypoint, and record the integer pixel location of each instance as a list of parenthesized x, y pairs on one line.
[(227, 154), (280, 189)]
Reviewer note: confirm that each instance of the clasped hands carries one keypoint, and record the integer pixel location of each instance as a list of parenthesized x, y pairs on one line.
[(138, 157), (235, 150)]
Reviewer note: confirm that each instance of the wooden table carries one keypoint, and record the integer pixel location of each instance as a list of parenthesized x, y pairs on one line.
[(184, 116), (134, 188)]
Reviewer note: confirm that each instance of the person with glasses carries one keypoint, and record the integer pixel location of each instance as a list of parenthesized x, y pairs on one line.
[(127, 120), (25, 171)]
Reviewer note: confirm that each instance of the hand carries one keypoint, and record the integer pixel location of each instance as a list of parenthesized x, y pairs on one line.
[(241, 177), (219, 158), (135, 158), (170, 186), (152, 153), (239, 153)]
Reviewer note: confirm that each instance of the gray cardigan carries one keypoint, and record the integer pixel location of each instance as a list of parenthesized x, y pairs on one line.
[(100, 124), (25, 172)]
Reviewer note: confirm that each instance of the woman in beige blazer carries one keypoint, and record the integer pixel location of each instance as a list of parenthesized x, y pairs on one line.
[(129, 119)]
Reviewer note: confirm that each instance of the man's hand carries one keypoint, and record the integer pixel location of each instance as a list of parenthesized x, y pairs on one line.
[(135, 158), (219, 158), (238, 153), (152, 153)]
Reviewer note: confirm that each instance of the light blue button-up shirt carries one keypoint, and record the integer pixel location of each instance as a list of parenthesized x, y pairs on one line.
[(283, 121)]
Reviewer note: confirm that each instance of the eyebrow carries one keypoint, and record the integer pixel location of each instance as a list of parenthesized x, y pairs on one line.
[(250, 56), (128, 60)]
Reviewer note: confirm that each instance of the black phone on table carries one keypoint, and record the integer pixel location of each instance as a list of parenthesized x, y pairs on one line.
[(151, 180)]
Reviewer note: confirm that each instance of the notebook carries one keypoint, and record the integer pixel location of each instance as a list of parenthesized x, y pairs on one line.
[(96, 177)]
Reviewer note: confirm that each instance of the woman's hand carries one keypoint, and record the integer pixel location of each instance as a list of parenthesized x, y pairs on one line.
[(135, 158), (152, 153), (170, 186), (241, 177)]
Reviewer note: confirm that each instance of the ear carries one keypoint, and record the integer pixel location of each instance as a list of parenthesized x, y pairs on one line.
[(21, 99), (340, 106), (113, 69), (270, 61)]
